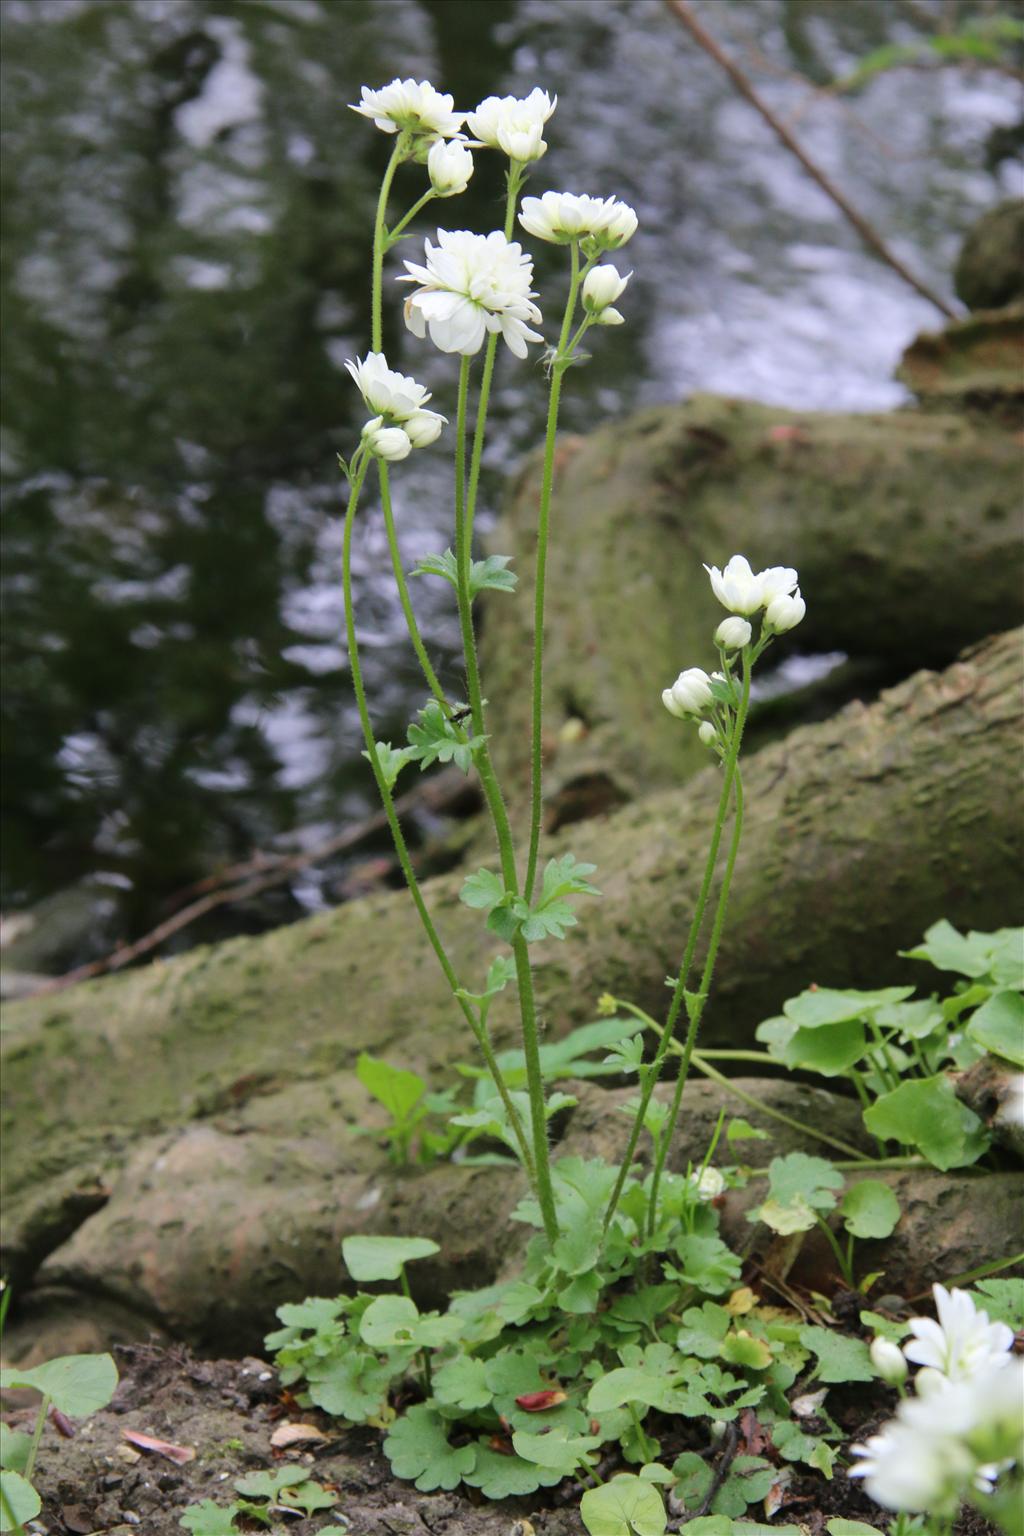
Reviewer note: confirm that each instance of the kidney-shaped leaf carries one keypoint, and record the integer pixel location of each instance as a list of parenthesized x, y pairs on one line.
[(381, 1258), (998, 1025), (75, 1384), (870, 1209), (20, 1501), (627, 1506)]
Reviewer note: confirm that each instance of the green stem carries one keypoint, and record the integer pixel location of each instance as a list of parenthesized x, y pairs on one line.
[(558, 367), (515, 178), (679, 991), (697, 1011), (759, 1056), (391, 235), (37, 1435), (380, 242), (844, 1268), (398, 837), (702, 1065), (642, 1440), (503, 832), (403, 592), (882, 1047)]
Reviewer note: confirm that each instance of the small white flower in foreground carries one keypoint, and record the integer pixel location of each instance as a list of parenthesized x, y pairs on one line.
[(449, 166), (963, 1342), (708, 1184), (733, 634), (689, 694), (887, 1359), (512, 124), (910, 1467), (387, 392), (410, 105), (785, 612), (602, 286), (708, 734), (744, 591), (472, 284), (391, 443), (561, 217)]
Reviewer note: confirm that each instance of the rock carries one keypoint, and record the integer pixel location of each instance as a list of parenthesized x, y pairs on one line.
[(972, 364), (990, 268)]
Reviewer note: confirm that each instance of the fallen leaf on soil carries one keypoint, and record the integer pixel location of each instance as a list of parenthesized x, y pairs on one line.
[(538, 1402), (806, 1407), (295, 1434), (179, 1454), (777, 1494)]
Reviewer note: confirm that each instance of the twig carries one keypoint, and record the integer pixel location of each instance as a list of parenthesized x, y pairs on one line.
[(730, 1445), (273, 870), (681, 10)]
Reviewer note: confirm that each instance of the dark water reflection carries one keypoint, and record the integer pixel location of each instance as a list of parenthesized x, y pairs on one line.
[(187, 209)]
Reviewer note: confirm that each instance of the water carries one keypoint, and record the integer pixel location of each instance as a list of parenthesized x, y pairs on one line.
[(187, 215)]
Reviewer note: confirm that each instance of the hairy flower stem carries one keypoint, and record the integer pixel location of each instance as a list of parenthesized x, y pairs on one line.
[(403, 592), (558, 367), (398, 836), (702, 1065), (398, 154), (503, 831), (37, 1435), (697, 922)]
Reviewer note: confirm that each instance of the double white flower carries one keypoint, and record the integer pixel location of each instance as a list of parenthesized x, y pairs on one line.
[(562, 217), (512, 124), (411, 106), (962, 1343), (400, 422), (744, 592), (689, 694), (449, 166), (470, 285)]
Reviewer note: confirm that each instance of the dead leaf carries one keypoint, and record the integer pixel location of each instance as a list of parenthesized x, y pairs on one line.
[(179, 1454), (539, 1402), (295, 1434), (776, 1495), (741, 1302), (806, 1407)]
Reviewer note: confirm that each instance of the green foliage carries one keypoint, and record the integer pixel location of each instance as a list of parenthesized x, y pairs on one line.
[(549, 917), (1003, 1300), (926, 1114), (897, 1049), (391, 760), (799, 1187), (626, 1506), (987, 40), (75, 1384), (869, 1209), (383, 1258), (19, 1498), (490, 574), (290, 1487), (418, 1449), (436, 740), (839, 1358)]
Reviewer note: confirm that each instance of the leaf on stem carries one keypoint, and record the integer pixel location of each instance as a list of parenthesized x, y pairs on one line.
[(436, 740), (391, 760), (489, 574)]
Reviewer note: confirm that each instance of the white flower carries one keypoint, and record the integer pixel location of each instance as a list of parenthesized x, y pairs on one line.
[(737, 588), (908, 1467), (392, 443), (887, 1359), (776, 581), (708, 734), (708, 1184), (418, 108), (449, 165), (386, 392), (512, 124), (785, 612), (424, 428), (689, 694), (601, 287), (472, 284), (963, 1342), (562, 217), (733, 634)]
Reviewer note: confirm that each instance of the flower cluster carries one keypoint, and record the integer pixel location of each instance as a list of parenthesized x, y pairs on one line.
[(469, 285), (514, 126), (400, 422), (964, 1422), (561, 217), (745, 593)]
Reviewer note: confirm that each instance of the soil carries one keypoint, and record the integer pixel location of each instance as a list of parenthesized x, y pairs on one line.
[(227, 1410)]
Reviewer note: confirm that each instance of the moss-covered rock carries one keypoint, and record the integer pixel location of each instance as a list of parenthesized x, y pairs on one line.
[(990, 270)]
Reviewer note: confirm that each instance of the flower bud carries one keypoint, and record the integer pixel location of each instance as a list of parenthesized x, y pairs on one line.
[(601, 287), (785, 612), (423, 428), (691, 691), (708, 734), (392, 443), (708, 1184), (930, 1382), (449, 165), (610, 316), (887, 1359), (733, 634)]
